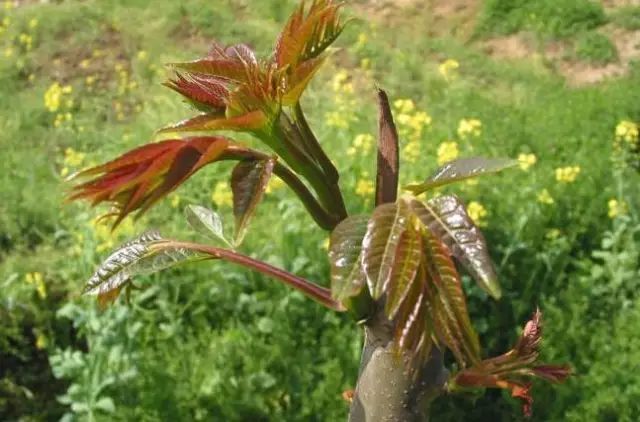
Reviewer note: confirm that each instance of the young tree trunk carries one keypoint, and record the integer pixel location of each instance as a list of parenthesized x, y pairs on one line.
[(384, 392)]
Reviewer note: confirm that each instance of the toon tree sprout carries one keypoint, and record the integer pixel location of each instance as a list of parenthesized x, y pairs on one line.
[(393, 270)]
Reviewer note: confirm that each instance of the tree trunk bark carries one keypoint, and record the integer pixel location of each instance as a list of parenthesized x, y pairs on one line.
[(384, 392)]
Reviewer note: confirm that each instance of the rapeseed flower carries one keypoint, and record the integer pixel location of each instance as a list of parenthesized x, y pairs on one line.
[(627, 131), (567, 174), (447, 151), (222, 195), (526, 161), (616, 208), (36, 279), (469, 127), (477, 212), (544, 197), (448, 69)]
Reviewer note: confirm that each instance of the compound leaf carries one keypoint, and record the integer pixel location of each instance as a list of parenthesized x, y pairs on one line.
[(447, 218)]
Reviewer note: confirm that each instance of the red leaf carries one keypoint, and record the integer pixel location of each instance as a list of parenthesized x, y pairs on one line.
[(249, 181), (139, 178)]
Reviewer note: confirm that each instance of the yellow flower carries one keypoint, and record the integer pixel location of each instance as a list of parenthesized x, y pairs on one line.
[(405, 106), (365, 63), (448, 69), (33, 23), (8, 52), (41, 341), (6, 21), (627, 131), (362, 40), (526, 161), (567, 174), (222, 195), (477, 212), (73, 158), (544, 197), (447, 151), (339, 80), (325, 244), (616, 208), (469, 127), (84, 64), (553, 234), (175, 200), (90, 80), (36, 279), (9, 5), (364, 186), (411, 152), (142, 55), (337, 119), (52, 97), (275, 183), (363, 142)]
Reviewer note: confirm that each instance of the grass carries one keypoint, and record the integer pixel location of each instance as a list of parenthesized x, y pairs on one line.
[(595, 48), (235, 346)]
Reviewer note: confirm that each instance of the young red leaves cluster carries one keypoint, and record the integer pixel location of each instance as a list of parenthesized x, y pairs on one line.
[(234, 90), (139, 178), (511, 370)]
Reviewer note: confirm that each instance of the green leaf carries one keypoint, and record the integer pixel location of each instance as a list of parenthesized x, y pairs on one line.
[(248, 182), (389, 253), (345, 256), (450, 313), (206, 221), (462, 169), (144, 255), (447, 218)]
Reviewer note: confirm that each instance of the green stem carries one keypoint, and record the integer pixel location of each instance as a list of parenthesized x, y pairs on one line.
[(328, 193), (311, 290), (329, 170)]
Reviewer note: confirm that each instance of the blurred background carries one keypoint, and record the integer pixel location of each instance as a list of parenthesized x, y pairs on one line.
[(553, 83)]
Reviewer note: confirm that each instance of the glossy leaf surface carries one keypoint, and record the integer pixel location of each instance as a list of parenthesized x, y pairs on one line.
[(345, 256), (249, 181), (386, 247), (447, 217), (461, 169), (206, 221)]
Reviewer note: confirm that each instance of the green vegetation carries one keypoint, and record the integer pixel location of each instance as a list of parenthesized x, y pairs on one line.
[(564, 228), (550, 18), (627, 17), (596, 48)]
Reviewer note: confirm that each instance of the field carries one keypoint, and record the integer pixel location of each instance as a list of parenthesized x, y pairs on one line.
[(552, 83)]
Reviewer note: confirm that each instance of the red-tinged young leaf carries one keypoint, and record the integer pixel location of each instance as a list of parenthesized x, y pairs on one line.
[(139, 178), (447, 218), (233, 70), (205, 92), (403, 274), (299, 78), (388, 163), (413, 326), (384, 245), (510, 370), (252, 121), (248, 183), (461, 169), (450, 300), (345, 255), (307, 36)]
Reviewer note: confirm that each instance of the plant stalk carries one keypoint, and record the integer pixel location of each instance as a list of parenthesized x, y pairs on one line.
[(309, 289)]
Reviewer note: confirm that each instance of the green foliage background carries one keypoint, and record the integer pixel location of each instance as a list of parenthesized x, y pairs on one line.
[(212, 342)]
